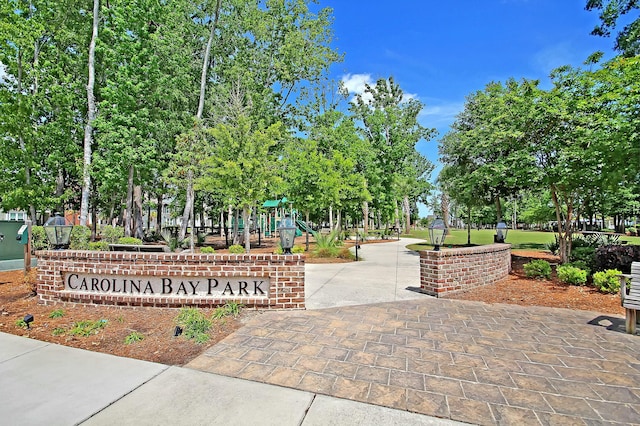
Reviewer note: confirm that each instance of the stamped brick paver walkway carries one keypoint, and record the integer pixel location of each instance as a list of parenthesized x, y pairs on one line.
[(466, 361)]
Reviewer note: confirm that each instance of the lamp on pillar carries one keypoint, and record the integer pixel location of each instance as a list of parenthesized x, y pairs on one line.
[(287, 232), (437, 233), (501, 232), (58, 231)]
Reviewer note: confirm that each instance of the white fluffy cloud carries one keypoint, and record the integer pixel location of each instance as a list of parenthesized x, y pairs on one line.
[(356, 85)]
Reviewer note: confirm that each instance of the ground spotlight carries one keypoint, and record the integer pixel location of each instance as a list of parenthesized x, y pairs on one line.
[(28, 319), (177, 331)]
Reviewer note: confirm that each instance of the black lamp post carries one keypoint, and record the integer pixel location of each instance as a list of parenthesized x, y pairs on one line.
[(437, 233), (58, 231), (501, 232), (287, 231)]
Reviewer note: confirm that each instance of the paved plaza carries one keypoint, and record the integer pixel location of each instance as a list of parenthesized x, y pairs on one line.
[(370, 350)]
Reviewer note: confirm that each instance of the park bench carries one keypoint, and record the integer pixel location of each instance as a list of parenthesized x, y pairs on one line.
[(141, 248), (630, 296)]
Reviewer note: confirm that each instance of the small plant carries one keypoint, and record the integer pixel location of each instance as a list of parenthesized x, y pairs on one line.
[(571, 275), (607, 281), (87, 327), (580, 265), (21, 323), (120, 319), (195, 325), (80, 237), (345, 253), (39, 238), (538, 268), (133, 337), (129, 240), (58, 331), (99, 246), (236, 249), (207, 250), (229, 308), (58, 313), (297, 250), (587, 255), (111, 234)]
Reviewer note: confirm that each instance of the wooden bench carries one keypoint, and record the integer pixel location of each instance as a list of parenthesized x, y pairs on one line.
[(141, 248), (630, 296)]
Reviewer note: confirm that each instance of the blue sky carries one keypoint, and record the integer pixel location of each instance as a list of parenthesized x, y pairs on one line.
[(441, 51)]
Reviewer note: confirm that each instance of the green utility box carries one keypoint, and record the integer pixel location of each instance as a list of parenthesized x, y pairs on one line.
[(23, 234), (10, 247)]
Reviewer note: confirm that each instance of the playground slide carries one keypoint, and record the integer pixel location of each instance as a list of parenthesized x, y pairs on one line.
[(302, 225)]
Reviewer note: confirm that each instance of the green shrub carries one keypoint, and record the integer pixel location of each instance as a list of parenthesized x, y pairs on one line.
[(297, 250), (345, 253), (236, 249), (99, 246), (129, 240), (111, 234), (326, 252), (538, 269), (571, 275), (587, 255), (39, 238), (207, 250), (195, 325), (580, 265), (617, 257), (607, 281), (553, 246), (229, 308), (80, 237)]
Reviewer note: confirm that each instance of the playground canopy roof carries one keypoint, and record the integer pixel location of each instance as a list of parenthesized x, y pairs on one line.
[(275, 203)]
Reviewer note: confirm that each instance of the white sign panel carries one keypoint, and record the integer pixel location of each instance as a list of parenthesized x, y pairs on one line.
[(215, 287)]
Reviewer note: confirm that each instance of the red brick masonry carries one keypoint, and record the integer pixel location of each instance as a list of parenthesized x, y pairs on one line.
[(284, 273), (456, 269)]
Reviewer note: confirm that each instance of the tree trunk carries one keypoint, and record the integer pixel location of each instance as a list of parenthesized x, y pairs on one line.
[(236, 227), (137, 204), (331, 217), (91, 115), (365, 217), (445, 205), (159, 214), (188, 206), (397, 214), (407, 212), (307, 230), (128, 215), (498, 208), (469, 227), (246, 212)]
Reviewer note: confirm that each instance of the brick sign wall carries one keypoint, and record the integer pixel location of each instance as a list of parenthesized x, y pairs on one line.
[(455, 269), (170, 279)]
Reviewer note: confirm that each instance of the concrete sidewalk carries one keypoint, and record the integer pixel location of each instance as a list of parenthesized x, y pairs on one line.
[(389, 272), (42, 383)]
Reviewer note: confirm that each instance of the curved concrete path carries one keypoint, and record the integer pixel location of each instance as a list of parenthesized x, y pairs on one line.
[(389, 272)]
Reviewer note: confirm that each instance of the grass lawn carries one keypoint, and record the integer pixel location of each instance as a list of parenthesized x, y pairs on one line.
[(528, 240)]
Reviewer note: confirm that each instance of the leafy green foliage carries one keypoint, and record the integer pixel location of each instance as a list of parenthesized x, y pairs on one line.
[(607, 281), (228, 309), (538, 268), (39, 239), (57, 313), (87, 327), (99, 245), (129, 240), (195, 324), (296, 249), (236, 249), (20, 323), (586, 255), (133, 337), (111, 234), (571, 275), (207, 250), (80, 237), (58, 331)]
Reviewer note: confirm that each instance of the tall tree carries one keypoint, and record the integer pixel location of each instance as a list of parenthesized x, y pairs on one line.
[(611, 12)]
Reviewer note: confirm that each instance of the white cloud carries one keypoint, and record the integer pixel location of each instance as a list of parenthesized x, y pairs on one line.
[(554, 56), (356, 85), (439, 113)]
